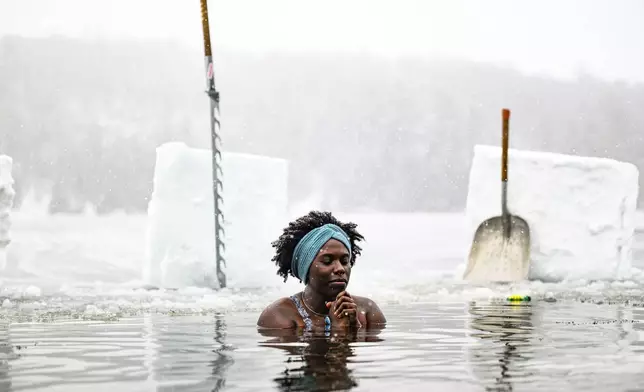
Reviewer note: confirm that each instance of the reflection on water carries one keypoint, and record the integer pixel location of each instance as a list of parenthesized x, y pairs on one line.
[(433, 346), (504, 332), (316, 362), (6, 354), (321, 364), (189, 353), (563, 347), (223, 359)]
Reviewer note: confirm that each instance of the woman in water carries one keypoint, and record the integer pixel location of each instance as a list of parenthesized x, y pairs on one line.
[(320, 251)]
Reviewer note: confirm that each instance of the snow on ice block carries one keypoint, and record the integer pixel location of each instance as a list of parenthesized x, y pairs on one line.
[(180, 250), (581, 210), (6, 203)]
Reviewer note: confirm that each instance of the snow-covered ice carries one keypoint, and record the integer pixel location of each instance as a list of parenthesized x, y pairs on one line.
[(6, 203), (581, 210), (89, 267), (180, 244), (61, 264)]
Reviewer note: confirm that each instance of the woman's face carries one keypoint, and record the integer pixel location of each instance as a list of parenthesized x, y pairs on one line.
[(330, 271)]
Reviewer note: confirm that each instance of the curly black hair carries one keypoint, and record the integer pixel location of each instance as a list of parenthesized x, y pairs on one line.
[(293, 233)]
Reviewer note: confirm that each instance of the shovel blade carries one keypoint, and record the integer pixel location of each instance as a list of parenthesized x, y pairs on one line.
[(498, 254)]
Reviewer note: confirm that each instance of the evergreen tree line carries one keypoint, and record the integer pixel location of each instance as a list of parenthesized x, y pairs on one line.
[(82, 120)]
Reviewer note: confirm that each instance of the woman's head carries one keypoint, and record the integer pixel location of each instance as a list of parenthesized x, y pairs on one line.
[(326, 252)]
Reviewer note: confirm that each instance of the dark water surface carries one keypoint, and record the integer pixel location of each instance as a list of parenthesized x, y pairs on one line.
[(431, 346)]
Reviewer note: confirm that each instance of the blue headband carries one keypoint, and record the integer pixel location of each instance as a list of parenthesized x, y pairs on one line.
[(310, 245)]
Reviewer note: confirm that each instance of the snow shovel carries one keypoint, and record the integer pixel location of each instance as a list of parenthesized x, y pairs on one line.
[(500, 250)]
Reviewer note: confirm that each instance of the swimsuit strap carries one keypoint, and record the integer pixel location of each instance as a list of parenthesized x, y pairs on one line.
[(302, 311), (307, 319)]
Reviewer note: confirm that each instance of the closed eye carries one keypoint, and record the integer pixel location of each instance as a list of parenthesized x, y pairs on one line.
[(328, 259)]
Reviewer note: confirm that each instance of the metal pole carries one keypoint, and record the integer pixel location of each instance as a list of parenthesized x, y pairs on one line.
[(217, 185)]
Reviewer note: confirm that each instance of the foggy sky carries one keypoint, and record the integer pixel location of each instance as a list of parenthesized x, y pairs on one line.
[(436, 107), (555, 38)]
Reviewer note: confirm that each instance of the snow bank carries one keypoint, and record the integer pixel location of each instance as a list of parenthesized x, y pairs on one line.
[(180, 241), (6, 203), (581, 210)]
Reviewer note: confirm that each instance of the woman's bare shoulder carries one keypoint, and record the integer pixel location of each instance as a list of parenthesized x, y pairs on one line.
[(371, 309), (364, 302), (278, 314)]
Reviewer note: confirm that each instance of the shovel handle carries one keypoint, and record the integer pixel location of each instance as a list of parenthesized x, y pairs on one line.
[(206, 28), (506, 137)]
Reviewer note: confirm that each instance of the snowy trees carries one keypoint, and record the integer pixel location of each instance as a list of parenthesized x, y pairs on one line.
[(82, 119)]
